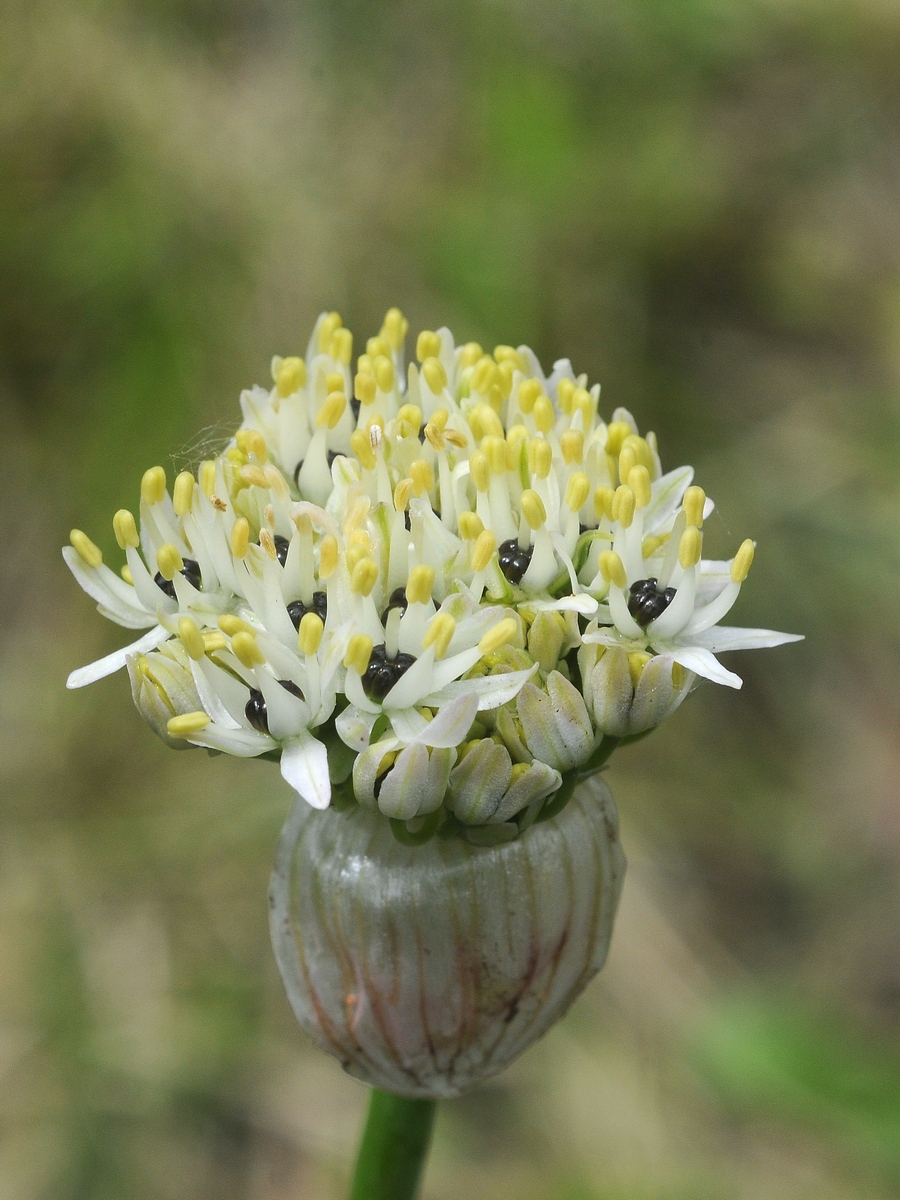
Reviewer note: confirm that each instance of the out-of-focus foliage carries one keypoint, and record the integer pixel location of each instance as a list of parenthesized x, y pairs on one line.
[(699, 203)]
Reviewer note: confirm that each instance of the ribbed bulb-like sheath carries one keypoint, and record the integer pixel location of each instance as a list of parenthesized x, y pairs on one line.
[(426, 969)]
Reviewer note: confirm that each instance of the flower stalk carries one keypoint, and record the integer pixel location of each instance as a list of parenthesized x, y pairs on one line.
[(393, 1147)]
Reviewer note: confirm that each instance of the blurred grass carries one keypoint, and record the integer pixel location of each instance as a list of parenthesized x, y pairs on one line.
[(697, 203)]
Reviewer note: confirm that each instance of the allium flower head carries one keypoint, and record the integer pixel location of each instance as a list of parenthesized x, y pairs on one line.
[(443, 591)]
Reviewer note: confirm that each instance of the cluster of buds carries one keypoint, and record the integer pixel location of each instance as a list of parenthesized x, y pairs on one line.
[(444, 592)]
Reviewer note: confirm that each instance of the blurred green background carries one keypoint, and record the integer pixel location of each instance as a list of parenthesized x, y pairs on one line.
[(699, 203)]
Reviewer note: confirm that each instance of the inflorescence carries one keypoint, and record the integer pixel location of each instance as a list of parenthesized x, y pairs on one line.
[(445, 592)]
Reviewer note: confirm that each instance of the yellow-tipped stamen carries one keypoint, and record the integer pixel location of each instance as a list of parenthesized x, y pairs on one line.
[(191, 638), (255, 477), (245, 648), (362, 448), (291, 376), (572, 445), (420, 585), (383, 370), (330, 323), (402, 493), (690, 546), (434, 436), (511, 355), (636, 663), (328, 555), (439, 417), (484, 422), (186, 724), (627, 461), (153, 485), (125, 572), (332, 410), (183, 493), (540, 457), (480, 470), (603, 503), (505, 373), (623, 505), (85, 548), (439, 634), (334, 381), (639, 481), (515, 435), (409, 420), (742, 561), (169, 560), (529, 390), (240, 537), (470, 354), (309, 635), (358, 653), (533, 508), (616, 434), (422, 477), (495, 449), (564, 390), (581, 400), (357, 550), (364, 576), (268, 543), (652, 544), (613, 569), (251, 441), (693, 505), (125, 529), (501, 633), (364, 388), (470, 526), (230, 625), (207, 477), (378, 347), (544, 416), (484, 374), (341, 346), (483, 550), (394, 328), (455, 438), (577, 491), (428, 345), (277, 482), (213, 641)]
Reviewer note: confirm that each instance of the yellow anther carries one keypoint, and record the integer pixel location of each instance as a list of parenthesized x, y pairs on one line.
[(690, 546), (268, 543), (515, 435), (616, 434), (394, 328), (291, 376), (455, 438), (439, 633), (240, 537), (356, 552), (470, 526), (186, 724), (362, 448), (358, 653), (581, 399), (183, 493), (428, 345), (603, 503), (309, 634), (484, 422), (693, 505), (125, 572), (533, 508), (191, 637), (572, 446), (359, 537), (364, 363), (652, 544), (326, 330), (341, 346), (643, 455), (246, 650), (501, 633), (125, 529), (410, 415), (334, 381), (435, 375), (207, 477), (495, 450), (364, 388), (364, 576), (439, 418), (420, 584), (540, 457), (332, 410), (639, 481), (251, 441), (544, 416), (564, 390), (484, 373), (577, 491), (509, 354), (402, 493), (434, 436), (483, 550), (230, 625), (742, 561), (376, 346), (255, 477), (384, 373), (677, 675), (623, 505), (236, 456), (613, 569), (505, 375), (636, 663), (277, 482), (169, 560), (213, 641), (470, 354), (627, 461), (153, 485), (85, 548), (480, 470), (328, 555), (422, 477)]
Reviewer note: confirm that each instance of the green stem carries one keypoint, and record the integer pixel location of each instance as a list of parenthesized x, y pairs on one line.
[(393, 1148)]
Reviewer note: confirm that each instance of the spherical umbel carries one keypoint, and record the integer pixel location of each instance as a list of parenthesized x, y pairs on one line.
[(427, 969)]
